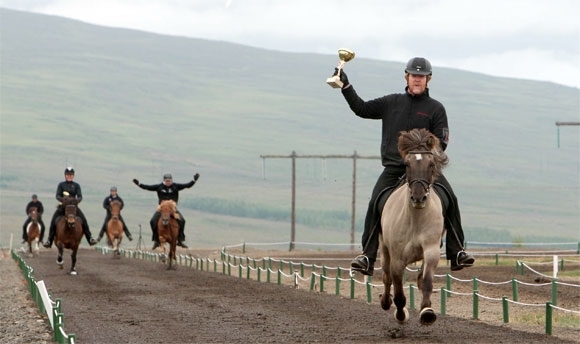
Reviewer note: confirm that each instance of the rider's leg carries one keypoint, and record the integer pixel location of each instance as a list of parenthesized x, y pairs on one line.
[(455, 238), (86, 229), (104, 227), (181, 236), (153, 223), (125, 229), (24, 227), (370, 238), (42, 227), (59, 212)]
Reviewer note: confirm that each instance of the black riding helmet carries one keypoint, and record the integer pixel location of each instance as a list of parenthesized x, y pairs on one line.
[(69, 170), (419, 65)]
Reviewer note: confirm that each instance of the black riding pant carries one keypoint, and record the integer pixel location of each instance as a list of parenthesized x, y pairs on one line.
[(60, 212), (155, 219), (25, 226), (390, 177)]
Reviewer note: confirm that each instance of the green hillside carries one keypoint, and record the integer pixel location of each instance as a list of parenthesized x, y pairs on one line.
[(121, 104)]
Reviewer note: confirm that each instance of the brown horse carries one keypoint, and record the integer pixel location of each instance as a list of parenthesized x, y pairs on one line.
[(33, 233), (168, 229), (115, 227), (412, 223), (69, 232)]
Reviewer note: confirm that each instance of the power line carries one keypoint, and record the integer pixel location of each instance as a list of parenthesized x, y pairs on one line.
[(295, 156)]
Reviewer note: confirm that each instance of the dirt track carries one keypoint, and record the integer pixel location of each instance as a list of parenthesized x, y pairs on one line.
[(134, 301)]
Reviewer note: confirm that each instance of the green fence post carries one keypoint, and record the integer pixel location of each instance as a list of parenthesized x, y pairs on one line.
[(443, 298), (514, 289), (337, 284), (268, 275), (244, 247), (448, 284), (352, 287), (302, 269), (475, 305), (259, 274), (411, 296), (554, 292), (369, 294), (312, 280), (475, 284), (322, 278), (279, 276), (240, 271), (548, 318), (506, 314), (248, 272), (497, 259)]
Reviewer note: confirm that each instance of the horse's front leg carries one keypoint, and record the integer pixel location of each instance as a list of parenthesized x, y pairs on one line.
[(73, 257), (425, 284), (59, 257), (386, 298), (401, 313)]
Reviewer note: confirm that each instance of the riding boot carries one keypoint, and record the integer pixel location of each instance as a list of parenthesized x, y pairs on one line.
[(88, 234), (42, 226), (24, 234)]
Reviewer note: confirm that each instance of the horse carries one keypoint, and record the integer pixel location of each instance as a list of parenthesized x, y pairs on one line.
[(115, 227), (413, 224), (168, 229), (33, 233), (69, 232)]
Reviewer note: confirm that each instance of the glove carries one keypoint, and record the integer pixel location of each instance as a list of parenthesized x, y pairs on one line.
[(136, 182), (343, 77), (196, 176)]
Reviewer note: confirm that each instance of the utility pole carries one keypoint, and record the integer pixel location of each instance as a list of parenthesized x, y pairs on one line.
[(294, 156), (558, 124)]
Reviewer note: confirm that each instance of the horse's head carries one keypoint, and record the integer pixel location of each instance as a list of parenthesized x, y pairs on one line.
[(115, 209), (424, 161), (33, 214), (70, 210), (167, 209)]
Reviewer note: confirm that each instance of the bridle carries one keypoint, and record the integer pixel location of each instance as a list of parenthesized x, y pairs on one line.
[(424, 182)]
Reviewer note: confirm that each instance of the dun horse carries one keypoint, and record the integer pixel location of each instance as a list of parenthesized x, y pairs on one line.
[(69, 232), (115, 227), (33, 233), (412, 223), (168, 229)]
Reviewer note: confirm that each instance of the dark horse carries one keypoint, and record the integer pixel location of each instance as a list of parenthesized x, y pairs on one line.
[(69, 232), (412, 223), (33, 233), (168, 229), (115, 227)]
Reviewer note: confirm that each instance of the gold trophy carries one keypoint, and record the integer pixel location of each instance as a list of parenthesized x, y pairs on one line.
[(344, 55)]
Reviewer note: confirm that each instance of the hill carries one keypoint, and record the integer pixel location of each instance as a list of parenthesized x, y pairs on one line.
[(121, 104)]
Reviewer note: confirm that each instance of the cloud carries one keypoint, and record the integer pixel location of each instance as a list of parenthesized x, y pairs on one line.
[(530, 39)]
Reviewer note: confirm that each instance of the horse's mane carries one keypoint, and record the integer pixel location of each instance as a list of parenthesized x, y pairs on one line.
[(170, 206), (422, 140)]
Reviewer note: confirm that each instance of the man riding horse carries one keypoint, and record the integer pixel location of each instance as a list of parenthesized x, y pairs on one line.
[(68, 188), (113, 196), (168, 190), (402, 112), (34, 203)]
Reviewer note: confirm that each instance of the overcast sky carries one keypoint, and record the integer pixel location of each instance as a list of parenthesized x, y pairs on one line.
[(526, 39)]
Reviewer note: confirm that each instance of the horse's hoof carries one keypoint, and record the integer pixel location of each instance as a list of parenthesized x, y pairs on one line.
[(59, 262), (427, 316), (386, 301), (74, 273), (402, 316)]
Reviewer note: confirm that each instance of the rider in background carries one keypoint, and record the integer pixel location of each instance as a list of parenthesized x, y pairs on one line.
[(113, 196), (168, 190), (68, 188), (403, 112), (34, 203)]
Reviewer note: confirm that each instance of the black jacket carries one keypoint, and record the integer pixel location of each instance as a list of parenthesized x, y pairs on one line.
[(400, 112), (167, 193), (73, 189), (107, 202), (37, 204)]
